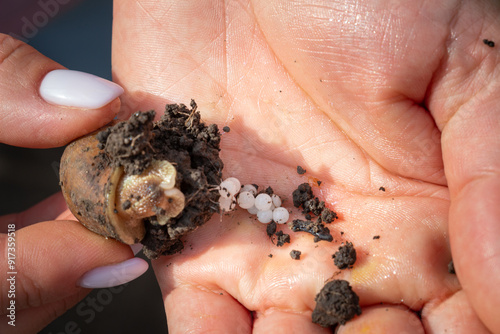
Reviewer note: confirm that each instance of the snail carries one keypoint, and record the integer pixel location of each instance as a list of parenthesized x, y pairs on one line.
[(145, 181), (111, 203)]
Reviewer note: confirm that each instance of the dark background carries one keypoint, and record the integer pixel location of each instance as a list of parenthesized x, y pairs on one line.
[(77, 34)]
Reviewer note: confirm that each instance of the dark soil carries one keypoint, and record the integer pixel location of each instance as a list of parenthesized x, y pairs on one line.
[(269, 191), (271, 229), (345, 257), (376, 237), (302, 194), (128, 144), (317, 229), (381, 189), (181, 138), (300, 170), (282, 238), (295, 254), (336, 304), (303, 198), (491, 44), (226, 129), (327, 216)]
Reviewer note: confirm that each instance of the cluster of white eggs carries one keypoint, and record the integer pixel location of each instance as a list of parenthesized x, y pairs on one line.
[(266, 207)]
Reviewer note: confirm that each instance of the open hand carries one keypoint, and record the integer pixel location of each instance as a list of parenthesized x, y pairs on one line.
[(363, 95)]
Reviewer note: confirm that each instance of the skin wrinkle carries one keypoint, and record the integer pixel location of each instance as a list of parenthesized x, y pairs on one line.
[(288, 73), (329, 114)]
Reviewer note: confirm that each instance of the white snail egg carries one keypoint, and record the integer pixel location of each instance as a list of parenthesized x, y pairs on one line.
[(250, 188), (224, 192), (232, 185), (263, 202), (246, 200), (227, 203), (265, 216), (276, 200), (253, 210), (280, 215)]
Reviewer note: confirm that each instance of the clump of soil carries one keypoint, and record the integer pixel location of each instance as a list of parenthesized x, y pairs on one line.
[(302, 194), (300, 170), (295, 254), (271, 229), (318, 230), (127, 144), (491, 44), (181, 138), (336, 304), (345, 257), (268, 191), (282, 238), (303, 197)]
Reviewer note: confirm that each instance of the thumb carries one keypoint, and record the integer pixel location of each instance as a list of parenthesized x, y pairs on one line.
[(48, 266), (44, 105)]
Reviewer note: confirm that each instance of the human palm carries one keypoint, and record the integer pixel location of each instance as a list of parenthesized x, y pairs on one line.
[(362, 96)]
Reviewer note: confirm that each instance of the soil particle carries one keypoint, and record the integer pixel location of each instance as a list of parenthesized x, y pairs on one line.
[(226, 129), (327, 216), (317, 229), (319, 183), (300, 170), (381, 189), (451, 268), (283, 238), (345, 257), (181, 138), (302, 194), (376, 237), (491, 44), (295, 254), (336, 304), (270, 255), (313, 205), (269, 191), (271, 229)]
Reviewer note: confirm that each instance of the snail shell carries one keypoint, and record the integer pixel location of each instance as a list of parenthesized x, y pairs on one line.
[(109, 202)]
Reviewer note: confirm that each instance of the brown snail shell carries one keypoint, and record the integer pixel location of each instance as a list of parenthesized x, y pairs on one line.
[(109, 202)]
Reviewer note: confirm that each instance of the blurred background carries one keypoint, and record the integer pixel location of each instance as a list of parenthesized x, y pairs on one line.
[(77, 34)]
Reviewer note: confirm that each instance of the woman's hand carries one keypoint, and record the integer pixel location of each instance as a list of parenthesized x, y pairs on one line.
[(362, 95), (48, 259)]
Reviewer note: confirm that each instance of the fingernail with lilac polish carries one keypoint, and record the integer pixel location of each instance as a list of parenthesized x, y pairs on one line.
[(78, 89), (113, 275)]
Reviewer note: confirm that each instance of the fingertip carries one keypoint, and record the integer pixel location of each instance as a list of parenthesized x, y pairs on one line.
[(45, 105)]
